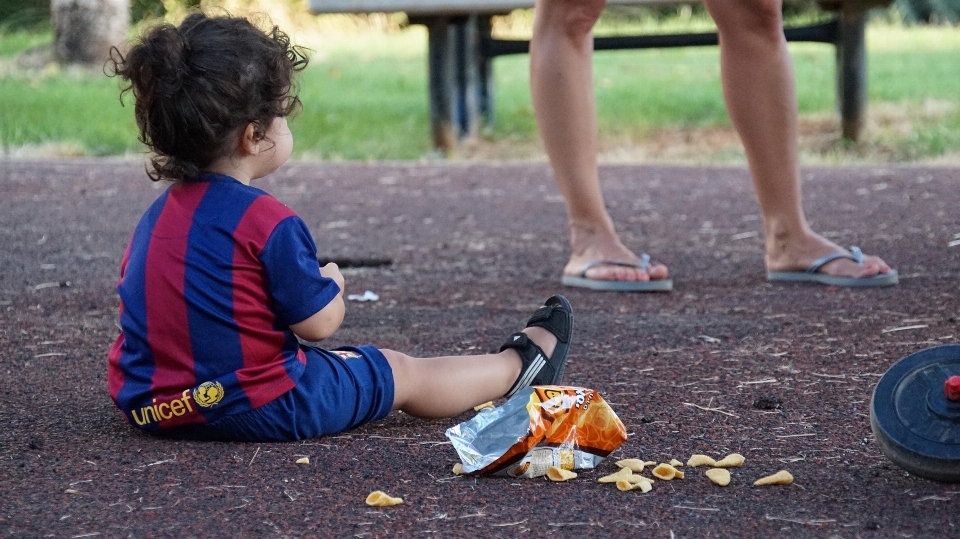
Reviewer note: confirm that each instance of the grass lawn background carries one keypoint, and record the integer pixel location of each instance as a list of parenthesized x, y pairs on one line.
[(365, 98)]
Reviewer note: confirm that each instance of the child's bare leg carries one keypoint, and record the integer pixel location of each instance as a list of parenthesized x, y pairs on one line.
[(446, 386)]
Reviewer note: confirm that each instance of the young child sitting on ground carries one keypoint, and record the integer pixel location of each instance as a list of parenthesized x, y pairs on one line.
[(219, 278)]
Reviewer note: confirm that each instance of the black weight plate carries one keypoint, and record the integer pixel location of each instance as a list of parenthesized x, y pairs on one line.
[(914, 423)]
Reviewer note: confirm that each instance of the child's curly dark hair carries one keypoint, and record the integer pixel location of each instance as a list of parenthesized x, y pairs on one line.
[(196, 85)]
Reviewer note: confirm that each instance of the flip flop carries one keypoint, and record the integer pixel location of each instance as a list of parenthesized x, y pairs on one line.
[(556, 316), (811, 275), (653, 285)]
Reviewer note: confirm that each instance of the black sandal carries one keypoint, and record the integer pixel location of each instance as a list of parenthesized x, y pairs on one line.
[(556, 316)]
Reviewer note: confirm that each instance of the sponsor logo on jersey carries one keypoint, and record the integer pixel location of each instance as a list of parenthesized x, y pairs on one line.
[(156, 413), (208, 394)]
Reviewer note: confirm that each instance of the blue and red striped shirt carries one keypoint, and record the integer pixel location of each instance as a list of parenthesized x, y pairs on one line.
[(214, 275)]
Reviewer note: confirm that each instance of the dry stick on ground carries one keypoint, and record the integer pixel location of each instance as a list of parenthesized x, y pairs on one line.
[(718, 410)]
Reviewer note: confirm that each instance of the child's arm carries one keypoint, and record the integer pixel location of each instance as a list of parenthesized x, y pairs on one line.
[(324, 323)]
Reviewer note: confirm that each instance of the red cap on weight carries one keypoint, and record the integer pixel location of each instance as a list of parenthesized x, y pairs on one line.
[(952, 388)]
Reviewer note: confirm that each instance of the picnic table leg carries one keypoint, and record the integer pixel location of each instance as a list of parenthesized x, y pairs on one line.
[(441, 62), (485, 72), (468, 77), (852, 71), (458, 79)]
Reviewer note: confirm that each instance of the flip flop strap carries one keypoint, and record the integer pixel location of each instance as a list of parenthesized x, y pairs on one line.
[(642, 265), (857, 257)]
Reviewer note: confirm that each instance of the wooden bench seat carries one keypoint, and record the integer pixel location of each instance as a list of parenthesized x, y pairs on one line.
[(461, 50)]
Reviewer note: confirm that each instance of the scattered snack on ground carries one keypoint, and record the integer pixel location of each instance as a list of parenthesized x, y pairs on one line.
[(782, 477), (458, 469), (624, 485), (378, 498), (675, 463), (666, 472), (649, 463), (303, 460), (635, 482), (733, 460), (632, 479), (624, 473), (484, 406), (634, 464), (719, 476), (559, 474), (700, 460)]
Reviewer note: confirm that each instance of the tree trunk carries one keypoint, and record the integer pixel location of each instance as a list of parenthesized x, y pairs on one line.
[(84, 30)]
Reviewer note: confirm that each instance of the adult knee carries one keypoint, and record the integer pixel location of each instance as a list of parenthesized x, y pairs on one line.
[(574, 17), (757, 18)]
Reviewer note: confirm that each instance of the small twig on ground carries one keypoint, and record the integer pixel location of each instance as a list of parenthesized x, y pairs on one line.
[(937, 498), (764, 381), (904, 328), (718, 410), (517, 523), (255, 453), (798, 521), (634, 524)]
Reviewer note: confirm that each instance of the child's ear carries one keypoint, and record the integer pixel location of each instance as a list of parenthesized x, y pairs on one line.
[(250, 139)]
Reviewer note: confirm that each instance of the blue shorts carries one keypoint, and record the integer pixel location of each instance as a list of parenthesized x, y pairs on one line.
[(339, 390)]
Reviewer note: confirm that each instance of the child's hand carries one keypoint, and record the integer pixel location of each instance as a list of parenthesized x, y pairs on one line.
[(332, 271), (325, 322)]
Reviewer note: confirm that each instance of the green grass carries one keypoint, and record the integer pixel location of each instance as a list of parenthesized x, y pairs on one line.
[(364, 98), (13, 42), (79, 112)]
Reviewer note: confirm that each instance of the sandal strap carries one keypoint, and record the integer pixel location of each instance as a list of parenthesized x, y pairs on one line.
[(532, 356), (553, 319)]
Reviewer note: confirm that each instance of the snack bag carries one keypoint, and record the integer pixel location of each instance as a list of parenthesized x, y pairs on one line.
[(569, 427)]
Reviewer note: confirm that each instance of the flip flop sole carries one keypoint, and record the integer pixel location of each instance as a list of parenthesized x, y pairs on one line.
[(883, 279), (656, 285)]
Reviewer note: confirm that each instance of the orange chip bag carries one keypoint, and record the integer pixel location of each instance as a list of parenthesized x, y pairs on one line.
[(571, 428)]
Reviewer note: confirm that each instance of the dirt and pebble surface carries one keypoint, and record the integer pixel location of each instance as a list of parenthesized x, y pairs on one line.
[(460, 255)]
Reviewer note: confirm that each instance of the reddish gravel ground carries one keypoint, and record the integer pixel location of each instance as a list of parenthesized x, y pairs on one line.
[(473, 249)]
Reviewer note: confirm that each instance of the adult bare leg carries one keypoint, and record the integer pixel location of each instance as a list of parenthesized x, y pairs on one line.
[(759, 90), (561, 85)]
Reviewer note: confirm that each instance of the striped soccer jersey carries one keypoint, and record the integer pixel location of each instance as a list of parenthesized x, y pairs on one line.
[(214, 275)]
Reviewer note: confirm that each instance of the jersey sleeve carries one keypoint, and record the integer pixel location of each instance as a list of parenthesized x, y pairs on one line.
[(290, 260)]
